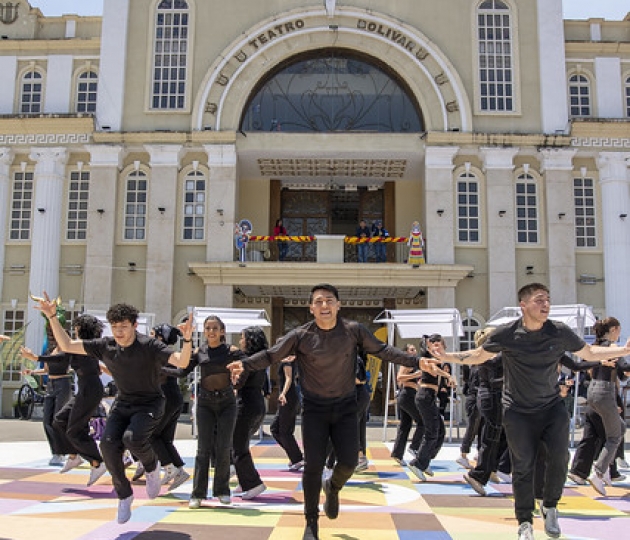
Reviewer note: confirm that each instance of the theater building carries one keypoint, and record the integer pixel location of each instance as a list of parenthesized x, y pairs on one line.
[(133, 144)]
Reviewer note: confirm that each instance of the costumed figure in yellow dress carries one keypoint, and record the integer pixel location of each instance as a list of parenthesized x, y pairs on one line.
[(416, 246)]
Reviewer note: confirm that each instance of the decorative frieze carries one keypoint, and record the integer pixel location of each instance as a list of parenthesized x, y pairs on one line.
[(45, 138)]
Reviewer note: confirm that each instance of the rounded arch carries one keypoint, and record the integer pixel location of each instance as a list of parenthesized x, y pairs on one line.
[(230, 80), (31, 88)]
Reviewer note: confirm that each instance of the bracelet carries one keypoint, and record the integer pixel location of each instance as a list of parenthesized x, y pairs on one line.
[(54, 315), (187, 340)]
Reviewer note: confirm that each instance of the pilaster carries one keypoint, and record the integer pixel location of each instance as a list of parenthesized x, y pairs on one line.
[(498, 166), (6, 158)]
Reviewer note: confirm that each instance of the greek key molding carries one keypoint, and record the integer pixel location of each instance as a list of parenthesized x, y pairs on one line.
[(599, 142), (45, 138)]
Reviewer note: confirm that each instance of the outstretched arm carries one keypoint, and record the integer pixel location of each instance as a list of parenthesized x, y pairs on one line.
[(181, 359), (49, 308), (4, 338), (597, 353), (472, 357)]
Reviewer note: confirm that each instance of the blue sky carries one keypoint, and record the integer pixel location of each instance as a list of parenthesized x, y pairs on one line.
[(573, 9)]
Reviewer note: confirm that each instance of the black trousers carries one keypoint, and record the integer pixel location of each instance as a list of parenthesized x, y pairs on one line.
[(130, 425), (363, 404), (474, 423), (283, 426), (434, 431), (72, 422), (249, 417), (491, 410), (408, 414), (324, 419), (525, 433), (58, 392), (164, 435)]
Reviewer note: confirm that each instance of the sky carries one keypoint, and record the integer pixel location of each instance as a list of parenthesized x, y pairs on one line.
[(573, 9)]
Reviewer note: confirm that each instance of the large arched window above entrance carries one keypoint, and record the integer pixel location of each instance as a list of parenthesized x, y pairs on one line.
[(332, 91)]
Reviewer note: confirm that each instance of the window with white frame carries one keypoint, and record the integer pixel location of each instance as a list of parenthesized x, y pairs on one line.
[(468, 224), (627, 96), (31, 92), (494, 42), (585, 224), (470, 326), (579, 95), (170, 55), (194, 206), (87, 84), (13, 325), (21, 206), (78, 196), (136, 206), (526, 209)]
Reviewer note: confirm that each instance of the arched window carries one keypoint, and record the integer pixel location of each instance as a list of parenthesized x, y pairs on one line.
[(31, 94), (470, 326), (468, 223), (579, 95), (170, 55), (494, 42), (332, 91), (526, 209), (86, 92), (585, 219), (194, 206), (136, 206)]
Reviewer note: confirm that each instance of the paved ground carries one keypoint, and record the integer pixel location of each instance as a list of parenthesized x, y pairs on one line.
[(385, 503)]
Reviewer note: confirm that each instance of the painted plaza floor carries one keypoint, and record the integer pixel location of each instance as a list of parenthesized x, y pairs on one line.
[(386, 502)]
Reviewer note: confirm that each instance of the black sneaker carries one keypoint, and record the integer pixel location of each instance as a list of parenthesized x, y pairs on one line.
[(311, 531), (331, 504)]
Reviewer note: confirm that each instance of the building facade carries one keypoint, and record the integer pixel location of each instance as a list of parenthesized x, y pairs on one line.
[(132, 144)]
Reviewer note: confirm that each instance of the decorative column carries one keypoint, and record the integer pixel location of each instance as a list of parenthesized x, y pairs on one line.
[(105, 163), (6, 158), (498, 164), (615, 188), (440, 217), (222, 215), (557, 166), (49, 177), (162, 230)]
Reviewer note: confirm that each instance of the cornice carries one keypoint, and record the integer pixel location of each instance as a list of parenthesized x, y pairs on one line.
[(596, 48), (50, 46), (438, 138), (162, 137)]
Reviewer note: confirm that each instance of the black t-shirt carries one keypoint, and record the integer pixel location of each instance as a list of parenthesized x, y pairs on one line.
[(84, 366), (136, 369), (530, 362), (326, 359)]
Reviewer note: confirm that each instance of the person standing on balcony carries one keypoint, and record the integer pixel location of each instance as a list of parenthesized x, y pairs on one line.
[(325, 352), (378, 231), (283, 247), (363, 233)]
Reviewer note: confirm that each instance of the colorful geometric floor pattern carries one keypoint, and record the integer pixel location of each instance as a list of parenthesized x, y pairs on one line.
[(384, 503)]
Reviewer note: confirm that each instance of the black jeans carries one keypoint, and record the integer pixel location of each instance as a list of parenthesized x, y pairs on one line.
[(525, 432), (283, 426), (249, 417), (474, 423), (491, 410), (58, 392), (324, 419), (408, 414), (363, 404), (130, 425), (72, 422), (433, 428), (164, 434), (216, 416)]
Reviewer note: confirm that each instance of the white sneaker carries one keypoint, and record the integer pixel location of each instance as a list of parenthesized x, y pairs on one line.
[(606, 478), (419, 474), (296, 466), (181, 477), (153, 482), (475, 484), (622, 463), (169, 473), (56, 460), (194, 503), (254, 492), (463, 462), (525, 531), (124, 509), (139, 472), (429, 471), (71, 463), (224, 499), (619, 478), (504, 477), (597, 482), (577, 479), (96, 473), (362, 465)]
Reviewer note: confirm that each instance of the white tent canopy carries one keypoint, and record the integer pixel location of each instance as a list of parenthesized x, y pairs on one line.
[(416, 323), (235, 319), (145, 322), (576, 316)]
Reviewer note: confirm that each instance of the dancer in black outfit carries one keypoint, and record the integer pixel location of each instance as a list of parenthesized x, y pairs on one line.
[(325, 354), (135, 361), (473, 429), (250, 414), (283, 424)]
